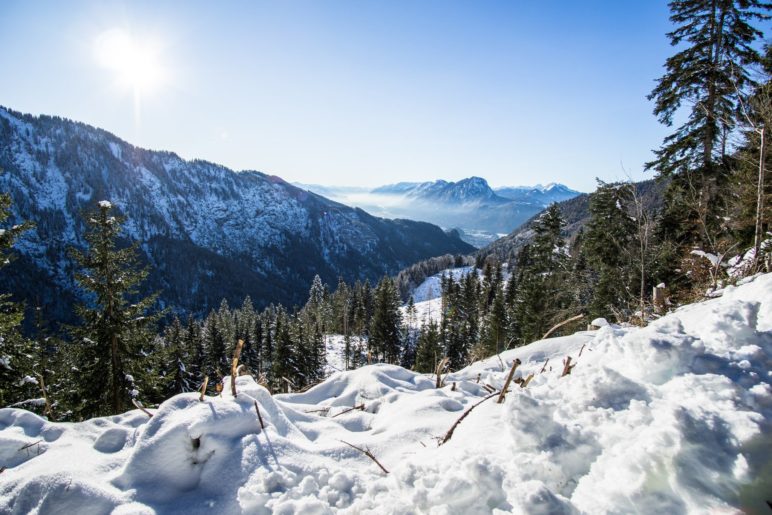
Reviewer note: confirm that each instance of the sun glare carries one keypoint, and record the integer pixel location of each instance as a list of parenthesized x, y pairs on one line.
[(134, 61)]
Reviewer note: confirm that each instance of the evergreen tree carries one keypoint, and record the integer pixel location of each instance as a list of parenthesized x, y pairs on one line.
[(385, 332), (116, 322), (194, 346), (177, 377), (543, 285), (216, 363), (607, 247), (283, 362), (17, 383), (709, 74), (428, 348)]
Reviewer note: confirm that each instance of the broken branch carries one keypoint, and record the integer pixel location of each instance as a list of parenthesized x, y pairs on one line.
[(360, 407), (235, 365), (567, 366), (259, 417), (511, 375), (449, 434), (139, 406), (203, 388), (561, 324), (367, 453)]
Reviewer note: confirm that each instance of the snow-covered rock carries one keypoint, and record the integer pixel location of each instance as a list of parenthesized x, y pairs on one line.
[(669, 418)]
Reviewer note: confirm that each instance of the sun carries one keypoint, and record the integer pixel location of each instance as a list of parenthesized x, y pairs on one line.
[(134, 61)]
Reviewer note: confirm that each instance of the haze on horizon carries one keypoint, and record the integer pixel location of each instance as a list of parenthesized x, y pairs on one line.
[(354, 93)]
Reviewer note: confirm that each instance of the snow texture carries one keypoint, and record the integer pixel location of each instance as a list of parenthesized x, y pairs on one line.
[(670, 418)]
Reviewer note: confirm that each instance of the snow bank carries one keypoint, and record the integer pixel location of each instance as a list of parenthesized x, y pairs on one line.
[(671, 418)]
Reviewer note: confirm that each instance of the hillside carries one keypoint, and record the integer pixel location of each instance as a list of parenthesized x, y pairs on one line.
[(670, 418), (208, 232), (576, 213)]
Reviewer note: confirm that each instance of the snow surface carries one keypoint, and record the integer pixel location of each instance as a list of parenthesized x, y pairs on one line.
[(670, 418), (431, 288)]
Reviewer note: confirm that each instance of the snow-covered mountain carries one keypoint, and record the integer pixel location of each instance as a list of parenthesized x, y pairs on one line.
[(465, 191), (481, 213), (669, 418), (544, 195), (207, 231)]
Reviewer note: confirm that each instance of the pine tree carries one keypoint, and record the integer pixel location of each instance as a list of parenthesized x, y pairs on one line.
[(543, 292), (17, 383), (709, 74), (283, 362), (385, 332), (117, 323), (194, 346), (177, 378), (428, 348), (216, 364), (608, 248)]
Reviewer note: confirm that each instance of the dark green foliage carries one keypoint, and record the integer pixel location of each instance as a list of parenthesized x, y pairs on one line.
[(429, 348), (709, 74), (543, 294), (17, 354), (385, 340), (117, 326), (607, 247)]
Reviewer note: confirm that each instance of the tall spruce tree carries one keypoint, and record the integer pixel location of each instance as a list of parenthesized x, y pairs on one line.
[(543, 293), (608, 248), (709, 74), (428, 348), (16, 364), (117, 322), (385, 332)]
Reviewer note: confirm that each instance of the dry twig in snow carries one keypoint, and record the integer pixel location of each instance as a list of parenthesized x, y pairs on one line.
[(567, 366), (203, 388), (359, 407), (449, 434), (367, 453), (440, 367), (235, 365), (259, 417), (140, 407), (511, 375), (561, 324)]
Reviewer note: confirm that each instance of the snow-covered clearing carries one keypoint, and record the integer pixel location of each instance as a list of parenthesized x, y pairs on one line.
[(671, 418), (431, 288)]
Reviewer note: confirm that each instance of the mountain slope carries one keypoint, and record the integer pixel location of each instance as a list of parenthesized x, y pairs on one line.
[(576, 213), (669, 418), (471, 205), (208, 232), (545, 195)]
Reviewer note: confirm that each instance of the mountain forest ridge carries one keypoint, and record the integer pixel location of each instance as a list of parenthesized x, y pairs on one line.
[(481, 213), (208, 232)]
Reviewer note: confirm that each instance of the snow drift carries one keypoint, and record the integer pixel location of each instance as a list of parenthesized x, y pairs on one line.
[(670, 418)]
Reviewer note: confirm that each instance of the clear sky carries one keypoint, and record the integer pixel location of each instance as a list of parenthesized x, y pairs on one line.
[(354, 92)]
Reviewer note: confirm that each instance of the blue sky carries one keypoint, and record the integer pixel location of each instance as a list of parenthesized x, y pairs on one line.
[(359, 92)]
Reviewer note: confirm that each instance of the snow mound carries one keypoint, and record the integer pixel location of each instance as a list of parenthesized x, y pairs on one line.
[(670, 418)]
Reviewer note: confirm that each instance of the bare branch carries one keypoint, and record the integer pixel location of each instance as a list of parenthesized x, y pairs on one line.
[(367, 453)]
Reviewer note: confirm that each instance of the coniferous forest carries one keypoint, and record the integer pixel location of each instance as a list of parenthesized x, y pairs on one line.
[(710, 228)]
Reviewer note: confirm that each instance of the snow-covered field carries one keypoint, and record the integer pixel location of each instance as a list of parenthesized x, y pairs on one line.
[(671, 418), (431, 288)]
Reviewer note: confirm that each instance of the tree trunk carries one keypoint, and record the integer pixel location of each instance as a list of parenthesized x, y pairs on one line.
[(759, 202)]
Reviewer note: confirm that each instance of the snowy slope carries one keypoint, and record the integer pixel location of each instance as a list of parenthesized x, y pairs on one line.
[(431, 288), (671, 418), (208, 232)]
